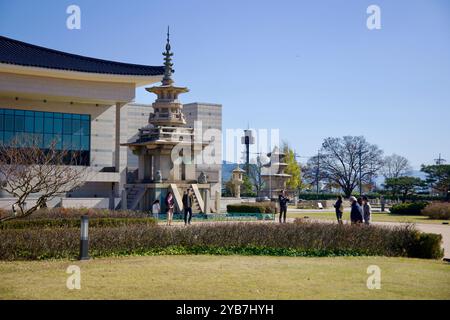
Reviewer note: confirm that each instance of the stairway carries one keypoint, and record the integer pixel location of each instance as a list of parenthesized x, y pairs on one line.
[(196, 206), (199, 204), (134, 195)]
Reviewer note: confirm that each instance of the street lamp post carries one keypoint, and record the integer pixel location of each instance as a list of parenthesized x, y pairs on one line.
[(84, 241)]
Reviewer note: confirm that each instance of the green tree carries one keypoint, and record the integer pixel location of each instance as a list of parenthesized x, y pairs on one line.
[(293, 168), (438, 177), (403, 186), (247, 187)]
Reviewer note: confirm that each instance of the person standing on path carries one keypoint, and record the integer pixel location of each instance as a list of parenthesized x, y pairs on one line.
[(339, 207), (156, 209), (188, 200), (356, 213), (170, 203), (367, 209), (283, 200)]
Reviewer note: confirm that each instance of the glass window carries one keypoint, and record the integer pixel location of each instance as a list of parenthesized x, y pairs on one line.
[(57, 125), (85, 143), (67, 126), (9, 123), (38, 139), (48, 125), (38, 124), (69, 132), (67, 142), (58, 139), (85, 128), (8, 137), (76, 127), (19, 123), (29, 124), (48, 140), (76, 143)]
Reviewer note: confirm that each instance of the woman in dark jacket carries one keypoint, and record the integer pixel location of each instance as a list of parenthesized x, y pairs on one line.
[(356, 213), (339, 207)]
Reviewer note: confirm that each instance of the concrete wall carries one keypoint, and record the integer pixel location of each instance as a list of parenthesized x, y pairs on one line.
[(98, 203), (66, 89), (133, 117), (210, 114)]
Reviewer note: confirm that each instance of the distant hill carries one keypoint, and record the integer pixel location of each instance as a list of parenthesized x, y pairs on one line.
[(415, 173), (227, 168)]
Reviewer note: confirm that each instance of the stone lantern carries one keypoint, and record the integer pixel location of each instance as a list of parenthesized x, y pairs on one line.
[(237, 180)]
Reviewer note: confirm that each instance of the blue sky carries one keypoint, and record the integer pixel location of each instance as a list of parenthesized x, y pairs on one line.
[(310, 68)]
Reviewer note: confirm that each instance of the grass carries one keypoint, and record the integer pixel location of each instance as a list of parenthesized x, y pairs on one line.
[(376, 217), (227, 277)]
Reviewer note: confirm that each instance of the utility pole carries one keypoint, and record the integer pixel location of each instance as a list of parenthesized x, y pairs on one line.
[(360, 172), (247, 140), (318, 174), (439, 160)]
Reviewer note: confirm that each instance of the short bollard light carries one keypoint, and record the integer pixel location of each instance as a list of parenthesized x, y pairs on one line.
[(84, 242)]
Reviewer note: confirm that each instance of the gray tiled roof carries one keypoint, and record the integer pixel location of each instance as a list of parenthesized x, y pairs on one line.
[(25, 54)]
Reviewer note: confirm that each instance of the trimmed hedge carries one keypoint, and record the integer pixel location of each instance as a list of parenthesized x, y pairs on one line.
[(437, 210), (69, 213), (297, 239), (411, 208), (258, 207), (74, 223)]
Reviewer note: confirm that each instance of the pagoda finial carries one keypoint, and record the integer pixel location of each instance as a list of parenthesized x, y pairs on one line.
[(167, 79)]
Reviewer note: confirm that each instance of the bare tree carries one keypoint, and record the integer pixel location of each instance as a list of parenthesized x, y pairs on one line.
[(345, 160), (26, 169), (395, 166), (255, 173), (312, 174)]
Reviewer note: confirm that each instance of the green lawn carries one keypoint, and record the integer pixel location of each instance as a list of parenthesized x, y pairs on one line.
[(227, 277), (380, 217)]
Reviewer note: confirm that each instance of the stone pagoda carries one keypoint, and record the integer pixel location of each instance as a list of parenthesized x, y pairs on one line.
[(167, 150), (273, 174)]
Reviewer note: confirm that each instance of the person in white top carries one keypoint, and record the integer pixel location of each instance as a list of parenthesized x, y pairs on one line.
[(156, 209)]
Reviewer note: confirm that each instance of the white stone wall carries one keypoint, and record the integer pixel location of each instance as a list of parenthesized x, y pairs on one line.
[(133, 117), (210, 115)]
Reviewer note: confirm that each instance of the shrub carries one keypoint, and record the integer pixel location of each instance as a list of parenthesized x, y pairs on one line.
[(437, 210), (297, 239), (412, 208), (75, 223), (259, 207), (69, 213), (426, 246)]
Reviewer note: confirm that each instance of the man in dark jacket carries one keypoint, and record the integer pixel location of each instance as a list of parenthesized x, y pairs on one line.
[(339, 207), (283, 200), (356, 213), (188, 200)]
